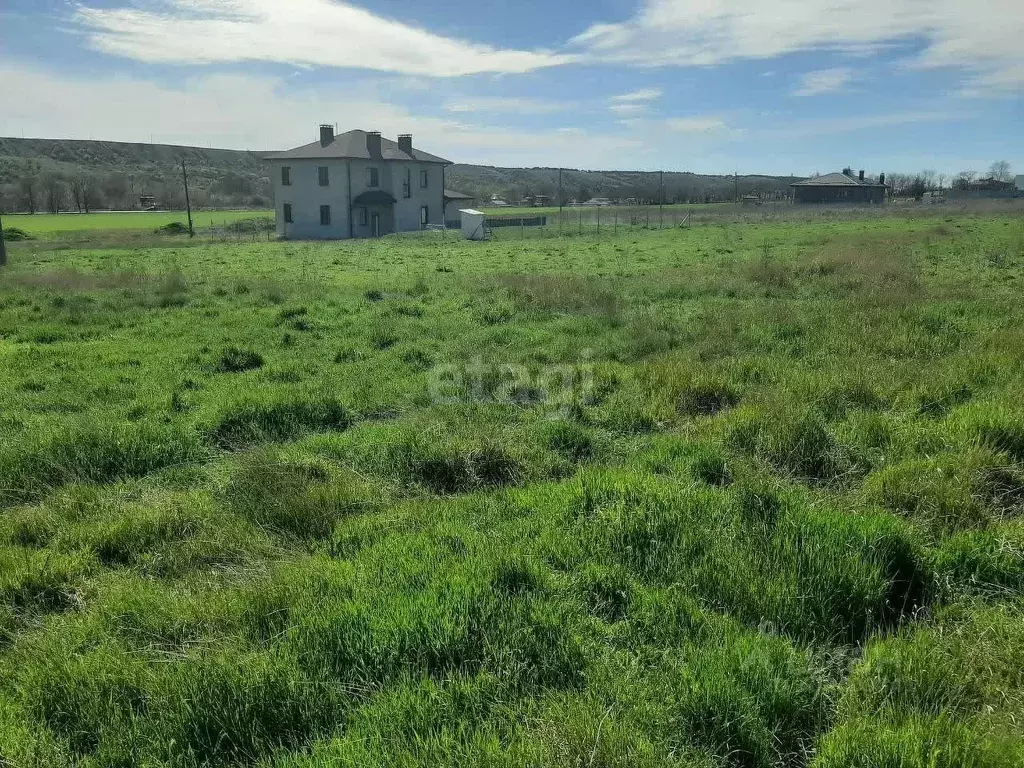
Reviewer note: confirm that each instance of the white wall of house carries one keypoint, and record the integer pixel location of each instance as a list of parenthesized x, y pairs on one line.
[(305, 195)]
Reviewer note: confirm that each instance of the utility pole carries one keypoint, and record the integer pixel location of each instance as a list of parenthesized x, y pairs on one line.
[(661, 200), (188, 203), (3, 247), (559, 202)]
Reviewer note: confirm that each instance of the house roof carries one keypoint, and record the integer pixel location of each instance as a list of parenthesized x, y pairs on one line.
[(351, 145), (451, 194), (374, 197), (837, 180)]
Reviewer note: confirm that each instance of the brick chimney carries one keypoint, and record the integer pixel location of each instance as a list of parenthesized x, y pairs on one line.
[(405, 143), (847, 172), (881, 178), (326, 135), (373, 143), (862, 175)]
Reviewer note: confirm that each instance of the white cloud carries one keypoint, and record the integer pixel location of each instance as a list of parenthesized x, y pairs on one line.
[(519, 105), (299, 32), (830, 126), (698, 125), (633, 97), (634, 103), (627, 109), (269, 113), (983, 37), (823, 81)]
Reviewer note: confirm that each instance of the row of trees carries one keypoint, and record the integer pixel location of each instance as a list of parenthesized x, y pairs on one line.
[(916, 184), (34, 191)]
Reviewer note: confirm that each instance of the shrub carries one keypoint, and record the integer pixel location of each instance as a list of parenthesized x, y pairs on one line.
[(14, 234), (173, 228)]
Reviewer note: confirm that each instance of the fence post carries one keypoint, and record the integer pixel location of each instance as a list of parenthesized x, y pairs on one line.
[(615, 227), (581, 221), (599, 221)]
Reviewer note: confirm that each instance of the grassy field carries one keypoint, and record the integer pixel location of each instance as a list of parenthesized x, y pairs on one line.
[(45, 224), (733, 495)]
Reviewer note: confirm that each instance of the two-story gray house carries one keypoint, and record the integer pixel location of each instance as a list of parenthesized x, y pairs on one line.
[(356, 184)]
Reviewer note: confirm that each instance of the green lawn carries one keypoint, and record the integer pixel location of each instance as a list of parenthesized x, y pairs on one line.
[(744, 494), (42, 224)]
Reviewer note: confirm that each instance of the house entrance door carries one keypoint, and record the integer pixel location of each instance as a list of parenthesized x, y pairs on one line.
[(375, 224)]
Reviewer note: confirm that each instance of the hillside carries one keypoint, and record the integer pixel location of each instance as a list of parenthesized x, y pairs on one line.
[(108, 174), (515, 183), (120, 172)]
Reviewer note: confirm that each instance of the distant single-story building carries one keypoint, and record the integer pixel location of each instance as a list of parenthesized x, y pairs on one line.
[(983, 189), (1019, 184), (453, 203), (837, 188)]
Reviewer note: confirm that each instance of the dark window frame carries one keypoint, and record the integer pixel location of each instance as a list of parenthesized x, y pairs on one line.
[(323, 175), (424, 215), (286, 175), (372, 176), (424, 178), (407, 184), (325, 215), (364, 216), (287, 214)]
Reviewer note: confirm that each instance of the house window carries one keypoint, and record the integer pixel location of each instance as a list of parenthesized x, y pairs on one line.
[(372, 177), (423, 179), (424, 216), (286, 176), (325, 215), (322, 175), (287, 213), (364, 217), (407, 184)]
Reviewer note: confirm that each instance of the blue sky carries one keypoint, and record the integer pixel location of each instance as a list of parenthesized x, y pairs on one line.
[(711, 86)]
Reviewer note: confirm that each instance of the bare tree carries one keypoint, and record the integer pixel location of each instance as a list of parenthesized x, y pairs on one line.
[(54, 193), (1000, 171), (76, 192), (942, 178), (28, 186), (964, 179), (89, 191)]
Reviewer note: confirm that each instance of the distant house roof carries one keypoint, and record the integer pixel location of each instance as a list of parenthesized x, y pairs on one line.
[(373, 197), (837, 180), (352, 146), (1020, 183), (451, 194)]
